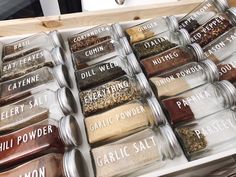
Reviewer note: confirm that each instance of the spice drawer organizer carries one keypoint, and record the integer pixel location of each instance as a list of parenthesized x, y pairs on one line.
[(26, 27)]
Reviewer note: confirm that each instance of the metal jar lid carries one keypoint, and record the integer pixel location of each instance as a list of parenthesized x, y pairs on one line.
[(232, 14), (172, 23), (197, 50), (118, 30), (59, 56), (72, 163), (144, 85), (134, 63), (184, 37), (62, 75), (228, 91), (126, 46), (69, 131), (156, 108), (66, 100), (211, 70), (171, 145), (56, 39), (221, 5)]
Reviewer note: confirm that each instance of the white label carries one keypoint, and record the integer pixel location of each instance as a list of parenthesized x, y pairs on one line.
[(147, 27), (94, 51), (41, 172), (21, 44), (154, 42), (169, 56)]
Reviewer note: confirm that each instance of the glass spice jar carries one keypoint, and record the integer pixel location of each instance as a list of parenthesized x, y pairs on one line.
[(100, 52), (200, 102), (36, 108), (227, 69), (228, 170), (103, 72), (22, 47), (136, 152), (184, 78), (215, 27), (200, 138), (94, 36), (50, 165), (38, 59), (172, 58), (113, 93), (124, 120), (150, 28), (30, 83), (160, 43), (202, 13), (37, 139), (222, 47)]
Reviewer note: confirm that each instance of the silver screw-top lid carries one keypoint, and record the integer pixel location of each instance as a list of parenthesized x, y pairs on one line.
[(232, 14), (59, 56), (57, 39), (126, 46), (221, 5), (172, 23), (144, 85), (228, 91), (211, 70), (197, 50), (69, 131), (134, 63), (184, 37), (171, 146), (156, 108), (66, 100), (118, 30), (72, 163), (1, 50), (62, 75)]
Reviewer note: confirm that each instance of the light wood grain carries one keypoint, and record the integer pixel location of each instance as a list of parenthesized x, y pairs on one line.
[(32, 25)]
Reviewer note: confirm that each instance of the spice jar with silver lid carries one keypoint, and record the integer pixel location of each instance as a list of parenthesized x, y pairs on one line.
[(49, 135), (222, 47), (184, 78), (35, 60), (150, 28), (94, 36), (214, 28), (100, 52), (160, 43), (124, 120), (35, 81), (36, 108), (200, 102), (208, 136), (202, 13), (53, 164), (103, 72), (136, 152), (171, 59), (22, 47), (114, 93)]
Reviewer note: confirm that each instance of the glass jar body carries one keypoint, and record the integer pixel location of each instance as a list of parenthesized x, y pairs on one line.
[(200, 138), (200, 15), (195, 104), (179, 80), (148, 29)]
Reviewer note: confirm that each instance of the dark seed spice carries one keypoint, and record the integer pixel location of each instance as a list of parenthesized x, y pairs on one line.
[(189, 25), (83, 57), (98, 74), (167, 60), (191, 141), (89, 41), (211, 30), (151, 47), (109, 95)]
